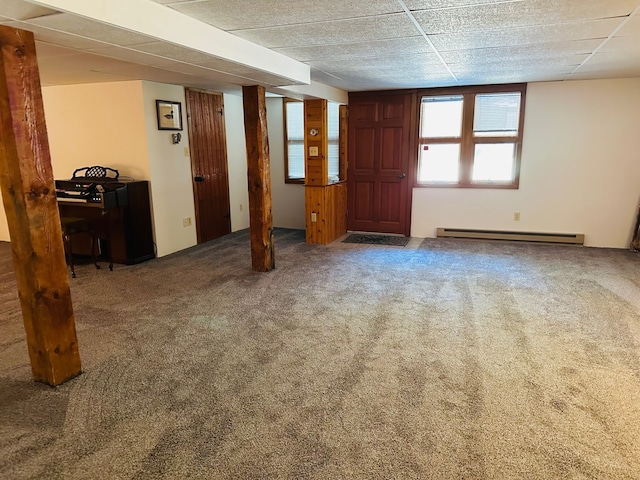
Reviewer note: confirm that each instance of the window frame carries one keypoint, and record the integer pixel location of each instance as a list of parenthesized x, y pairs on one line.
[(467, 140), (287, 178)]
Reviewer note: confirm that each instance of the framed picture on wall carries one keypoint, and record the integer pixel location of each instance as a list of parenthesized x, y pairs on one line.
[(169, 115)]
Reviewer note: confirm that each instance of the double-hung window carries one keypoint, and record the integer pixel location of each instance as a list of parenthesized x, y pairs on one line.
[(471, 137), (294, 141)]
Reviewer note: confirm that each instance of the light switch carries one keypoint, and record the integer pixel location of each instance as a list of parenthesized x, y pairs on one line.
[(313, 151)]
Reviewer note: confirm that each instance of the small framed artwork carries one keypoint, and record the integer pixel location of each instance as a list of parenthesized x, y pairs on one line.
[(169, 115)]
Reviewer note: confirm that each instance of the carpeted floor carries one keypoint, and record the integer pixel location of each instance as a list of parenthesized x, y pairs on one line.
[(459, 359)]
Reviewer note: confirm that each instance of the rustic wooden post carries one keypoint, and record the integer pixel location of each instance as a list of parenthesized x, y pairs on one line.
[(29, 198), (258, 171)]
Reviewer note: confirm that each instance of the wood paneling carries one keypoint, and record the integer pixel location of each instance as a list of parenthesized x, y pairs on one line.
[(329, 204), (317, 166), (259, 176), (29, 198)]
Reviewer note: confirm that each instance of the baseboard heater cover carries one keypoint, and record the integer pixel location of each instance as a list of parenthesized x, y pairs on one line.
[(568, 238)]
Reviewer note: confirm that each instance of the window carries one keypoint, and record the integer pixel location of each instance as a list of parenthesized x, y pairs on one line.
[(471, 137), (333, 135), (294, 139)]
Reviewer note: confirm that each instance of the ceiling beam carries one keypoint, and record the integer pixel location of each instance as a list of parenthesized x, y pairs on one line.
[(165, 24)]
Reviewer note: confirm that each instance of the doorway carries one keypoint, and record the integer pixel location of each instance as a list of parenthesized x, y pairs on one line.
[(210, 173), (379, 174)]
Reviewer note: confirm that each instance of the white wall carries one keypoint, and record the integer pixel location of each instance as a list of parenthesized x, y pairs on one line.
[(580, 169), (287, 198), (237, 162), (169, 168)]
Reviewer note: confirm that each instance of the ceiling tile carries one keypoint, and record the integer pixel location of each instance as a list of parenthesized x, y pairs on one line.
[(20, 10), (517, 14), (544, 51), (90, 29), (58, 38), (624, 45), (44, 49), (332, 33), (632, 27), (176, 52), (268, 13), (439, 4), (525, 35), (132, 56), (381, 48)]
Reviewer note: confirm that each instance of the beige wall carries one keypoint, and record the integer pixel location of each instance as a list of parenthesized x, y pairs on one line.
[(580, 169), (94, 124), (287, 199), (237, 162), (170, 172)]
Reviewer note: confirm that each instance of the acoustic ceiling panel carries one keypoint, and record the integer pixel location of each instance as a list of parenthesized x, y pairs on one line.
[(19, 10), (134, 56), (87, 28), (530, 35), (631, 27), (382, 48), (246, 14), (58, 38), (518, 14), (176, 52), (332, 33), (521, 53)]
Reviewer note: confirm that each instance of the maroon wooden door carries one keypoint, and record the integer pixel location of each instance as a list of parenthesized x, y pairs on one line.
[(205, 114), (378, 174)]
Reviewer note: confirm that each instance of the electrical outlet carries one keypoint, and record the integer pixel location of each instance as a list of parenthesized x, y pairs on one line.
[(186, 222), (186, 151), (314, 217), (516, 216), (240, 207)]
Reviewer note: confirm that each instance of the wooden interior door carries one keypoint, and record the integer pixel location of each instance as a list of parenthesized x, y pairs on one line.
[(378, 175), (207, 137)]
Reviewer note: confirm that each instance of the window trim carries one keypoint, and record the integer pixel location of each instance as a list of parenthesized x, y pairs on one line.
[(467, 140), (287, 178)]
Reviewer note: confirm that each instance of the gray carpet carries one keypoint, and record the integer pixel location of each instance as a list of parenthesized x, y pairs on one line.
[(456, 360)]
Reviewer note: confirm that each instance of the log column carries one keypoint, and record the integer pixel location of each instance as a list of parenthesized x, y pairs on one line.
[(28, 194), (258, 171)]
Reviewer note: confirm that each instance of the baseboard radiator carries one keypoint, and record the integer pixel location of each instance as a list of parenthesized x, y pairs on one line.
[(565, 238)]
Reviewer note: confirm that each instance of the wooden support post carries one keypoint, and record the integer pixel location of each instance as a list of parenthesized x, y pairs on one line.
[(258, 171), (28, 193)]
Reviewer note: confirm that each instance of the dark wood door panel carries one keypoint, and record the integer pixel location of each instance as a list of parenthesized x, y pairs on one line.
[(363, 201), (391, 150), (205, 113), (378, 175), (362, 157)]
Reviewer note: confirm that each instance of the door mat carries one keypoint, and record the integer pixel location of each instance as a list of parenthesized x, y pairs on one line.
[(377, 239)]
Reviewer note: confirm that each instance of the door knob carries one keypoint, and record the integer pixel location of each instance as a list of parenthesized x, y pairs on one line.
[(402, 175), (199, 178)]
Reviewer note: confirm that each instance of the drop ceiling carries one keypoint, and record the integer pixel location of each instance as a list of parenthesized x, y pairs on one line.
[(352, 45)]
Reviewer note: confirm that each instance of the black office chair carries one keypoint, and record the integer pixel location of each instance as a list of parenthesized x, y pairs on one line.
[(74, 226)]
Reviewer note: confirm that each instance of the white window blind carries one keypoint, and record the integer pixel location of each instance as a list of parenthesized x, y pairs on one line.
[(295, 139), (333, 135), (496, 114)]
